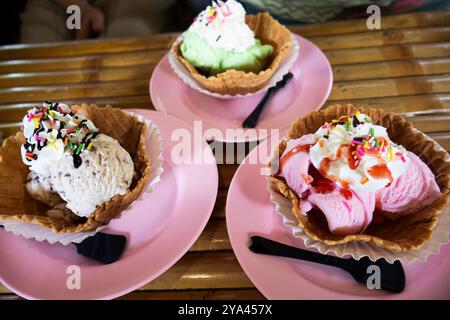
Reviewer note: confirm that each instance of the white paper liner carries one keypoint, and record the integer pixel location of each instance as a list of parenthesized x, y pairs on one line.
[(39, 233), (284, 67), (359, 249)]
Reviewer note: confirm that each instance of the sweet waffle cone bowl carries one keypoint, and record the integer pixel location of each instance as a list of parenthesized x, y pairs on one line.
[(408, 233), (17, 205), (233, 82)]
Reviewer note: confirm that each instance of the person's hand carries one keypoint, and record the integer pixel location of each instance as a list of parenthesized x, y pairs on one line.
[(92, 20)]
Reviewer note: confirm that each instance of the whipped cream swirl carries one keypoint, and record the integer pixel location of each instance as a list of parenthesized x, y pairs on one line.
[(358, 154), (51, 130), (223, 25)]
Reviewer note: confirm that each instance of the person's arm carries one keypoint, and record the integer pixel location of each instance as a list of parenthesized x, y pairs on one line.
[(92, 18)]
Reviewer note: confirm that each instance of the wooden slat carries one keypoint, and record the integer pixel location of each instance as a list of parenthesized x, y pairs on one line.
[(228, 294), (431, 123), (152, 57), (414, 103), (9, 129), (427, 103), (442, 138), (214, 237), (74, 91), (226, 173), (149, 58), (202, 270), (389, 87), (382, 38), (390, 69), (4, 290), (219, 206), (388, 53), (11, 297), (341, 90), (411, 20), (86, 47), (74, 76), (14, 111), (373, 70)]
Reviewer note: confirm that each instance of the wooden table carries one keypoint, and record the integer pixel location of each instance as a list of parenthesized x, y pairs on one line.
[(405, 67)]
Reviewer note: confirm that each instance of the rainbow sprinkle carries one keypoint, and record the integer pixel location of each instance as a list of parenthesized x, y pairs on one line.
[(347, 125), (80, 147), (360, 151), (37, 137), (399, 154)]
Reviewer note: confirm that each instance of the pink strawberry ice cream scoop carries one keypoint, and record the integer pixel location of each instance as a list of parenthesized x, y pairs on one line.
[(411, 192), (295, 163), (346, 212), (345, 216)]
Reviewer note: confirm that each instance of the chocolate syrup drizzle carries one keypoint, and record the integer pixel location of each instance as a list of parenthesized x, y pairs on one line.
[(39, 145)]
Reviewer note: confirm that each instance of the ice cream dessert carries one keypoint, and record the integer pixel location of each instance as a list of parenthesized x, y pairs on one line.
[(73, 168), (69, 157), (228, 52), (219, 39), (349, 170)]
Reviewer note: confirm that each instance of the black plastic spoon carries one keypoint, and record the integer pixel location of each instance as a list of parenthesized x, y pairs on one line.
[(392, 276), (252, 120), (102, 247)]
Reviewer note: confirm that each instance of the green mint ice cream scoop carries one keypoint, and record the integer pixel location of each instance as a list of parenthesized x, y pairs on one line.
[(213, 60)]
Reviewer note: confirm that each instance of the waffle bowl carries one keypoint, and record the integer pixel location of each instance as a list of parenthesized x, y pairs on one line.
[(408, 233), (16, 205), (236, 82)]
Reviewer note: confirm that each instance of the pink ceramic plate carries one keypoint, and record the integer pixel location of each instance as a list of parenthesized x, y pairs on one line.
[(160, 229), (250, 212), (308, 91)]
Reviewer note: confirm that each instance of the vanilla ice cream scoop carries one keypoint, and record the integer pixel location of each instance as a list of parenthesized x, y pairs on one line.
[(40, 188), (358, 154), (107, 170), (68, 156)]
